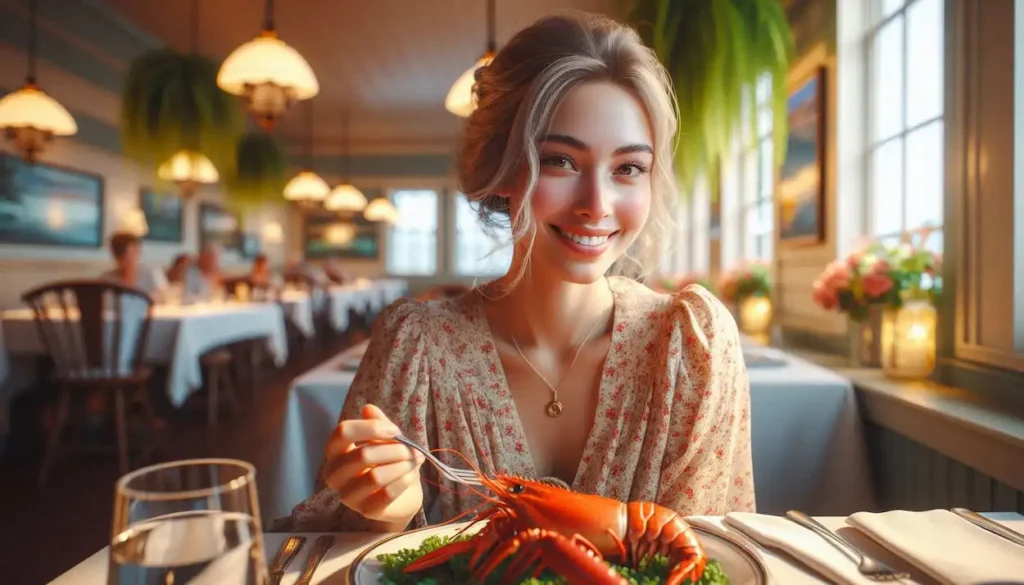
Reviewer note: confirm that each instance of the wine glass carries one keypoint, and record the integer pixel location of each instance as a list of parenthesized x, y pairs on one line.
[(192, 522)]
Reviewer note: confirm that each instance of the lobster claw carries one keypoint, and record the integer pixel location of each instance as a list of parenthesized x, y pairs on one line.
[(575, 559)]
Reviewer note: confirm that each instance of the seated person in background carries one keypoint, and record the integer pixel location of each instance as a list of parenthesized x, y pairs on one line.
[(204, 277), (260, 275), (332, 268), (179, 269), (127, 252)]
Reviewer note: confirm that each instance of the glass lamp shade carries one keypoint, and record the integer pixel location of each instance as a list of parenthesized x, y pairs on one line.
[(306, 187), (270, 75), (30, 118), (272, 233), (382, 210), (461, 100), (346, 197), (134, 222), (339, 233), (188, 167)]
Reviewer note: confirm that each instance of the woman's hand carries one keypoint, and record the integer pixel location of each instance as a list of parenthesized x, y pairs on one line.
[(374, 475)]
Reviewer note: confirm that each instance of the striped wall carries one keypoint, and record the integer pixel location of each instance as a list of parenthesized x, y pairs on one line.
[(911, 476)]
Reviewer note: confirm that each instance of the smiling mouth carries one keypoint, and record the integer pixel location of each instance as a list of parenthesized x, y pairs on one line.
[(586, 241)]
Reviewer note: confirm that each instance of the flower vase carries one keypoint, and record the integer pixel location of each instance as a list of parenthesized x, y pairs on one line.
[(865, 339)]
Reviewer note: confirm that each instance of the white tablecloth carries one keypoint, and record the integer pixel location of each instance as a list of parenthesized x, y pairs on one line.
[(334, 568), (299, 307), (808, 445), (364, 296), (178, 336)]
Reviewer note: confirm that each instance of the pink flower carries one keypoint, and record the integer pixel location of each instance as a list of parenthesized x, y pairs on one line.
[(837, 275), (825, 296), (936, 262)]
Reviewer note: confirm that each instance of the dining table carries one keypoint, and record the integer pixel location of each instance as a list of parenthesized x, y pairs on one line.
[(781, 567)]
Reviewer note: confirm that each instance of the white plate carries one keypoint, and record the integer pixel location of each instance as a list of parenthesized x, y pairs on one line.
[(740, 564)]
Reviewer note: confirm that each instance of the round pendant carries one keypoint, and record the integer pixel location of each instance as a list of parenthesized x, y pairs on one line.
[(554, 408)]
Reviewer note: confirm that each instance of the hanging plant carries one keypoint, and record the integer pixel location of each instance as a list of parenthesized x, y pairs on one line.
[(261, 170), (715, 51), (171, 102)]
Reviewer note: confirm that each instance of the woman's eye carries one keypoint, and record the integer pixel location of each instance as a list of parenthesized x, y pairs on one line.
[(632, 169), (558, 162)]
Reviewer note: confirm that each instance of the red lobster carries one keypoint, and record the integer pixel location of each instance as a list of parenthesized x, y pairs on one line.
[(547, 526)]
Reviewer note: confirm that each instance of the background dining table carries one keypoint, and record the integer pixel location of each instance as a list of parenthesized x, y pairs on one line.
[(782, 569), (808, 445)]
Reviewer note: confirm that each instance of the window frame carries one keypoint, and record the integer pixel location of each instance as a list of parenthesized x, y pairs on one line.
[(877, 23), (390, 190), (454, 195)]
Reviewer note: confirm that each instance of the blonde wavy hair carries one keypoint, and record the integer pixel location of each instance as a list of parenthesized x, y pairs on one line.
[(517, 95)]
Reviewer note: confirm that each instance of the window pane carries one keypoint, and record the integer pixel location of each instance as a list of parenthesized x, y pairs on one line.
[(887, 81), (476, 252), (925, 61), (412, 240), (889, 6), (763, 97), (925, 180), (887, 188), (767, 181), (750, 178), (935, 241)]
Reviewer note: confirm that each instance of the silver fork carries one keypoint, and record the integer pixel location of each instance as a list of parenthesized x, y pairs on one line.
[(463, 476), (874, 570)]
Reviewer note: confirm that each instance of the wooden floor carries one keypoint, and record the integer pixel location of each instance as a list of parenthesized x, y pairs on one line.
[(46, 530)]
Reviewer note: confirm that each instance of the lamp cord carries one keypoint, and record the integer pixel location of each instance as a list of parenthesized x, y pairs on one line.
[(345, 145), (309, 134), (33, 33), (195, 26), (268, 24), (492, 42)]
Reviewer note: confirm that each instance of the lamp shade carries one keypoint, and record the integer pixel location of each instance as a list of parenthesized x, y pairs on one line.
[(461, 100), (339, 233), (267, 60), (31, 107), (346, 197), (382, 210), (272, 233), (306, 186), (188, 167), (133, 222)]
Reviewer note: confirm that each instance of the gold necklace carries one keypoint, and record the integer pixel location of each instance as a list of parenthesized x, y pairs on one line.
[(554, 407)]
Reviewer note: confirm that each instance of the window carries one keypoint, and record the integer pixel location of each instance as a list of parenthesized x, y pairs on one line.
[(759, 179), (477, 253), (905, 126), (412, 240)]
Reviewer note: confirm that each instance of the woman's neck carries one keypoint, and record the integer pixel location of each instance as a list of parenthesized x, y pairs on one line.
[(553, 315)]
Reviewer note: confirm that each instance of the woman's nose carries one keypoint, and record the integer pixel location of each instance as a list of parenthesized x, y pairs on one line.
[(593, 197)]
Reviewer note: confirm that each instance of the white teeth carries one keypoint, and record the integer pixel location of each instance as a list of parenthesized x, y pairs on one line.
[(585, 240)]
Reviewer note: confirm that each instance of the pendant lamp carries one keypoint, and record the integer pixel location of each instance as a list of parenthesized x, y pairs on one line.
[(307, 188), (29, 117), (189, 168), (346, 197), (268, 74), (381, 210), (461, 100)]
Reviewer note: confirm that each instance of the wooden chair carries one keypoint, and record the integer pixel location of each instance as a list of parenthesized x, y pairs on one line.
[(95, 332)]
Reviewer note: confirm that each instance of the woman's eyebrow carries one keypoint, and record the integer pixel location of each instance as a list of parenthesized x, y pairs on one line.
[(580, 145)]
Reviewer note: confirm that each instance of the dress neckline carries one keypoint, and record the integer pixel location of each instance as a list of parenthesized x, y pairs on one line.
[(503, 394)]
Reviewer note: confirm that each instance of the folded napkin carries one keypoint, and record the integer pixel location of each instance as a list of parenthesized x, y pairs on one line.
[(945, 546), (780, 533)]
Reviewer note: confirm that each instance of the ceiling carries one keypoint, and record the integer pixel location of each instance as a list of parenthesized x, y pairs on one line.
[(390, 62)]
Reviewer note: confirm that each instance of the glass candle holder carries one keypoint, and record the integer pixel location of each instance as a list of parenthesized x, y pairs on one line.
[(756, 315), (908, 341)]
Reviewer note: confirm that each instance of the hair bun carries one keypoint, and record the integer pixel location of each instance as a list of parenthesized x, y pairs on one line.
[(478, 76)]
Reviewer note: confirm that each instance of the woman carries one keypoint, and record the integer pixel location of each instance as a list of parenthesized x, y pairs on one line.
[(178, 269), (554, 370)]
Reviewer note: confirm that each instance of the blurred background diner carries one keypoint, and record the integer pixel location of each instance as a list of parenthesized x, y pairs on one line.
[(852, 201)]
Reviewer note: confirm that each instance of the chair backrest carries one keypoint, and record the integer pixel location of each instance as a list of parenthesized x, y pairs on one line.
[(94, 328)]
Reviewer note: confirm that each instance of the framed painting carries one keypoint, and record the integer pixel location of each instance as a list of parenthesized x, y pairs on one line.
[(801, 190), (250, 246), (328, 236), (165, 215), (49, 205), (219, 227)]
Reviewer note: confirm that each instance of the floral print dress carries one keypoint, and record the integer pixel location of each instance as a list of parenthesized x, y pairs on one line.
[(673, 415)]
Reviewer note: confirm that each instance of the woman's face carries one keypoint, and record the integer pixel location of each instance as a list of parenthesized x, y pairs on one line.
[(593, 193)]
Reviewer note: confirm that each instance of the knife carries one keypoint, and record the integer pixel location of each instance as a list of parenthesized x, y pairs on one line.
[(990, 525), (285, 555), (320, 548)]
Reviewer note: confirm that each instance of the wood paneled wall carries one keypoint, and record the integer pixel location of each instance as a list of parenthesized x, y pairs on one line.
[(910, 476)]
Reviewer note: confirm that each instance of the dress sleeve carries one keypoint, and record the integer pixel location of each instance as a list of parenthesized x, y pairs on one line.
[(394, 375), (708, 467)]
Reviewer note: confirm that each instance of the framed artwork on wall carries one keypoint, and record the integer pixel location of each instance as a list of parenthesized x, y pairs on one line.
[(50, 205), (218, 226), (165, 215), (328, 236), (801, 190)]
